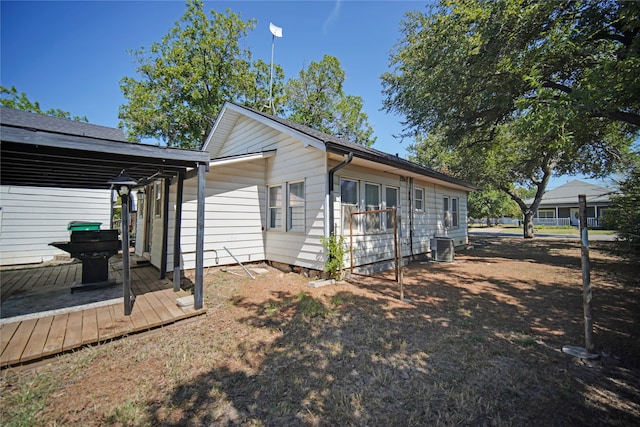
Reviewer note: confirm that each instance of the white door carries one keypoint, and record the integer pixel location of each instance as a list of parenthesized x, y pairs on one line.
[(575, 216)]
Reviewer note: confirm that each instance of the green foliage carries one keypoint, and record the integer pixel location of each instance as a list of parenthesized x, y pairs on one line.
[(316, 99), (9, 97), (256, 95), (335, 248), (624, 213), (512, 91), (186, 77), (491, 204)]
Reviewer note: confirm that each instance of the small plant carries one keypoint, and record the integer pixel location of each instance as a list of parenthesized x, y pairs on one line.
[(310, 307), (522, 339), (334, 246), (129, 413)]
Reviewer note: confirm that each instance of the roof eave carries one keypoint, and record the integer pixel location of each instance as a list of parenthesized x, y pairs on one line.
[(401, 164)]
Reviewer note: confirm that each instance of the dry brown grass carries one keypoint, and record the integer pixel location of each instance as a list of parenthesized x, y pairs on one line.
[(478, 344)]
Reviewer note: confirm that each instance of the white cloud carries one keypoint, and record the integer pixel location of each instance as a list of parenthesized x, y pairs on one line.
[(332, 17)]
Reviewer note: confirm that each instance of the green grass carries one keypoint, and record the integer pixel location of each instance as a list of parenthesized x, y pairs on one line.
[(22, 406), (545, 229)]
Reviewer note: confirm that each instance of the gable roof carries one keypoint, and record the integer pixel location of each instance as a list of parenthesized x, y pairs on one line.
[(330, 143), (568, 193), (43, 151)]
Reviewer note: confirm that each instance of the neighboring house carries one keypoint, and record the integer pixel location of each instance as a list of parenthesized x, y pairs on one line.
[(32, 217), (560, 205), (275, 188)]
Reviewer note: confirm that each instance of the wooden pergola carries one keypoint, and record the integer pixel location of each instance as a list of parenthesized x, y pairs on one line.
[(43, 151)]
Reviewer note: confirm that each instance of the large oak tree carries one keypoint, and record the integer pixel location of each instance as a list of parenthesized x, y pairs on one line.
[(520, 90), (316, 98), (186, 77)]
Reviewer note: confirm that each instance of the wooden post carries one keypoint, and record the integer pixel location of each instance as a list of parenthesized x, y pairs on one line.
[(165, 229), (198, 295), (398, 249), (586, 274), (177, 230), (126, 281)]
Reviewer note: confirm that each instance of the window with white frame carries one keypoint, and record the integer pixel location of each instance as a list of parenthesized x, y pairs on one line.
[(157, 193), (349, 201), (391, 201), (372, 203), (455, 218), (446, 212), (451, 212), (546, 213), (275, 207), (295, 206), (418, 199)]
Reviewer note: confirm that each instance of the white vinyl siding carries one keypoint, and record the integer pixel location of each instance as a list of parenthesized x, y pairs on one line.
[(235, 214), (431, 222), (372, 241), (293, 163), (33, 217)]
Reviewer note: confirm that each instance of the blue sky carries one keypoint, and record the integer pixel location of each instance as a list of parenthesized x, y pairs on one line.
[(72, 54)]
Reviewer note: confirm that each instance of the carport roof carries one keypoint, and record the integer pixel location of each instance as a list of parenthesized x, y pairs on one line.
[(44, 151)]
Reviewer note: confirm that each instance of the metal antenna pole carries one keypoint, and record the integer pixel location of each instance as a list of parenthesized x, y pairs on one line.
[(273, 109)]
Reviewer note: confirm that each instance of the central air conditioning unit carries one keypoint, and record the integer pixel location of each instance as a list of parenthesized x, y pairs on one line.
[(442, 249)]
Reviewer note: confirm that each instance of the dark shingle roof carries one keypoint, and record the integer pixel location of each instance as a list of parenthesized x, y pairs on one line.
[(339, 145), (568, 193), (43, 151), (28, 120)]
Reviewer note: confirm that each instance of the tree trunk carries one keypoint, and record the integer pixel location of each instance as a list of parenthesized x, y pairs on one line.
[(528, 225), (488, 222)]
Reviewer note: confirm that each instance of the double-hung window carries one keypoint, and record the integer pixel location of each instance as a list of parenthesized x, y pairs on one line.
[(157, 194), (391, 197), (418, 199), (349, 201), (275, 207), (372, 203), (455, 219), (451, 213), (295, 206)]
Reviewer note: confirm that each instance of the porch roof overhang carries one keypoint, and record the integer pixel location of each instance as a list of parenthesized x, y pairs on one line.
[(41, 158)]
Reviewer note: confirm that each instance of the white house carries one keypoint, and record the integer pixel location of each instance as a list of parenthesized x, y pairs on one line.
[(32, 216), (559, 207), (274, 188)]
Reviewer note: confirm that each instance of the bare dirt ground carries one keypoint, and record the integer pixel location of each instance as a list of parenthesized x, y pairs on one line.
[(478, 343)]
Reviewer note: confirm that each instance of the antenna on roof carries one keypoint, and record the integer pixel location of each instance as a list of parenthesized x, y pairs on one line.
[(275, 32)]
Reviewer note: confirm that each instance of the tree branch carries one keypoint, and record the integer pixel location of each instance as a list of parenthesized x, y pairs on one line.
[(557, 86), (620, 116)]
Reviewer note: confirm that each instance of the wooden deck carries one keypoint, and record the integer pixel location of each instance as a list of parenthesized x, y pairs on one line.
[(35, 336)]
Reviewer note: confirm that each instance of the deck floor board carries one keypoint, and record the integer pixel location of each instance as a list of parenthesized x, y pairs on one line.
[(32, 338)]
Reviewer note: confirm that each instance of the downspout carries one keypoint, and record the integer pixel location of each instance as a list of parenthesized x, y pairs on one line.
[(332, 172)]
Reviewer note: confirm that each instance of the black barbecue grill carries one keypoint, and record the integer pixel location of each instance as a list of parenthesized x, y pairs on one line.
[(93, 248)]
